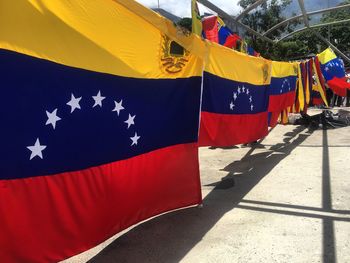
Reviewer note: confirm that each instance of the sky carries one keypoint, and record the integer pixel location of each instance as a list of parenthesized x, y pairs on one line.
[(182, 8)]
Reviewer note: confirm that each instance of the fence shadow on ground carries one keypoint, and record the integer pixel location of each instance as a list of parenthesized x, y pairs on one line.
[(170, 237)]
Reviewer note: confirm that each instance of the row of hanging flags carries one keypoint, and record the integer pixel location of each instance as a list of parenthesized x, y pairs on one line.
[(215, 30), (101, 133)]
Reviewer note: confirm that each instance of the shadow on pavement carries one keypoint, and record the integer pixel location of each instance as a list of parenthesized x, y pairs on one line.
[(168, 238)]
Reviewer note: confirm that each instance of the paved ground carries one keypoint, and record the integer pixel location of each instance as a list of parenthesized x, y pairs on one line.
[(287, 200)]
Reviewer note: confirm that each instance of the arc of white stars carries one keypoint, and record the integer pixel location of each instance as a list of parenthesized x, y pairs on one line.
[(130, 120), (52, 118), (118, 107), (74, 103), (135, 139), (98, 99), (36, 149)]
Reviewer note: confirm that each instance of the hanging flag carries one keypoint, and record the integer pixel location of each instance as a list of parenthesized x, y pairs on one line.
[(319, 81), (300, 90), (231, 41), (334, 72), (210, 28), (244, 46), (235, 98), (223, 31), (99, 133), (196, 19), (305, 71), (282, 88), (250, 51)]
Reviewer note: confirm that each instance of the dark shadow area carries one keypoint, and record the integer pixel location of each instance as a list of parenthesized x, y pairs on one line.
[(318, 146), (345, 212), (293, 213), (224, 148), (224, 184), (329, 253), (168, 238)]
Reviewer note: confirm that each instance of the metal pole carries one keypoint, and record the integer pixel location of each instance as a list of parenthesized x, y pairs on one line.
[(158, 4), (329, 29), (249, 8)]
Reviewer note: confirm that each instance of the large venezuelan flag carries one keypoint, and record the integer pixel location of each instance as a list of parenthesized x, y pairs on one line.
[(282, 88), (99, 120), (235, 98)]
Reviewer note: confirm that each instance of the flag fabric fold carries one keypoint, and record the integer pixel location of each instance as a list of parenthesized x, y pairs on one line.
[(95, 138), (235, 98)]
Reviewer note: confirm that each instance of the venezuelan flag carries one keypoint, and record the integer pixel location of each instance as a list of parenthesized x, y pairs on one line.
[(333, 71), (235, 98), (99, 125), (282, 88)]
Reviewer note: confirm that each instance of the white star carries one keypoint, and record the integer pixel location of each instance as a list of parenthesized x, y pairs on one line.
[(326, 68), (239, 90), (135, 139), (130, 120), (251, 107), (281, 91), (247, 91), (234, 95), (250, 99), (74, 103), (243, 89), (231, 105), (52, 118), (36, 149), (98, 99), (118, 106)]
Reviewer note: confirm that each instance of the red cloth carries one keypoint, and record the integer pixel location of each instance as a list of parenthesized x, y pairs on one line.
[(210, 28), (281, 102), (231, 41), (225, 130), (339, 86), (78, 210)]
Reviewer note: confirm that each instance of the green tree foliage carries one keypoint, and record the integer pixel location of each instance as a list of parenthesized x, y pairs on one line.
[(301, 44), (264, 17), (185, 22), (339, 34)]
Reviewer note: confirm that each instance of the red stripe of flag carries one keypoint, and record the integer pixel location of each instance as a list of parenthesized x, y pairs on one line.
[(77, 210)]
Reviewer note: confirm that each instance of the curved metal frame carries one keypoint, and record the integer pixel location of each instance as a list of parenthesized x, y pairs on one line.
[(308, 14), (314, 26), (304, 15)]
